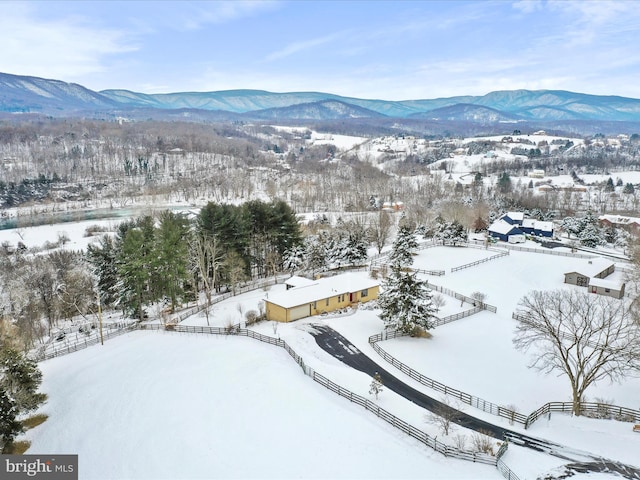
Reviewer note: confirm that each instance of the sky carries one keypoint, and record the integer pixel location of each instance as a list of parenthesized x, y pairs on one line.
[(386, 50)]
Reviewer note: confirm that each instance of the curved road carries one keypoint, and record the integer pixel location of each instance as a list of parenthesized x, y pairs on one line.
[(339, 347)]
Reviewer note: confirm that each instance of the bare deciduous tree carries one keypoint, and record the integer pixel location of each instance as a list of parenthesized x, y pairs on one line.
[(380, 229), (207, 260), (376, 385), (479, 298), (438, 301), (587, 337), (443, 415)]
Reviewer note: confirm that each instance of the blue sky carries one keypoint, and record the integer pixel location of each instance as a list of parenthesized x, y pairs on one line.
[(367, 49)]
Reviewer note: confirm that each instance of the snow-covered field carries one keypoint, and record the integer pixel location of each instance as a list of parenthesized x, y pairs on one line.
[(35, 237), (167, 406), (161, 405)]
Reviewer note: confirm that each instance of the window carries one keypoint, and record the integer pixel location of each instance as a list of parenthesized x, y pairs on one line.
[(607, 290), (315, 305), (582, 281), (364, 293), (327, 302)]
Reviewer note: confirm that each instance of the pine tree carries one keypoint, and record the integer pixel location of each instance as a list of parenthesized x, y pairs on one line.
[(405, 303), (403, 247), (590, 236), (20, 377), (103, 258), (10, 427), (170, 258), (609, 187), (294, 258)]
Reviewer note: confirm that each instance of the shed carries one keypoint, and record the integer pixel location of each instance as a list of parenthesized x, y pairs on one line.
[(610, 288), (323, 295), (595, 268)]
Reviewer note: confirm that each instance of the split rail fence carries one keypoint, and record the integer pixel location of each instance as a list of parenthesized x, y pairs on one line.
[(372, 407), (590, 409)]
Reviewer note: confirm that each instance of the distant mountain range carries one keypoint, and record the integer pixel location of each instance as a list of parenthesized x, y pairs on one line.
[(23, 94)]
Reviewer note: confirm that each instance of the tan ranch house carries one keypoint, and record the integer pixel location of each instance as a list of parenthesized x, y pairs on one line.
[(313, 297)]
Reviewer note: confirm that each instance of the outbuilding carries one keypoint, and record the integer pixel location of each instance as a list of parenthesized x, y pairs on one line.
[(610, 288), (595, 268), (531, 226), (506, 232)]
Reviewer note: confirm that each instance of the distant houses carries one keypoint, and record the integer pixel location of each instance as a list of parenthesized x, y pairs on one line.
[(630, 224), (304, 298), (512, 227), (593, 275)]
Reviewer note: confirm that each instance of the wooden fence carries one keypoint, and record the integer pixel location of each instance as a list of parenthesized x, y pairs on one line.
[(336, 388), (478, 262), (502, 467), (436, 273), (589, 409), (471, 400), (463, 298), (407, 428), (509, 246), (81, 343), (456, 316)]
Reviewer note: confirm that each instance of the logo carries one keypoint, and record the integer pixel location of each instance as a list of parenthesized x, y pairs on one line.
[(49, 467)]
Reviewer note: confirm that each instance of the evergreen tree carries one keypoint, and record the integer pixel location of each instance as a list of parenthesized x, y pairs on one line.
[(316, 255), (355, 246), (450, 232), (170, 258), (405, 302), (103, 258), (590, 236), (629, 188), (609, 187), (20, 377), (10, 427), (403, 247), (133, 271), (504, 183), (294, 259)]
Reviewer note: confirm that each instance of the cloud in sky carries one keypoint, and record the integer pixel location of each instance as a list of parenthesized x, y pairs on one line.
[(57, 48), (382, 49)]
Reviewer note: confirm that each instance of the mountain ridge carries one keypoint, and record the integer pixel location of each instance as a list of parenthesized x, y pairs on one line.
[(26, 94)]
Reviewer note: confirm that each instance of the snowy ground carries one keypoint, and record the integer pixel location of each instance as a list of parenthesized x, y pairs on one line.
[(35, 237), (161, 405), (170, 393)]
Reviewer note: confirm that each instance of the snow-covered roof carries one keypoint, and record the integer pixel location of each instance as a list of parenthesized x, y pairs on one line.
[(604, 283), (515, 215), (502, 227), (537, 225), (297, 281), (619, 219), (593, 267), (321, 289), (544, 226)]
